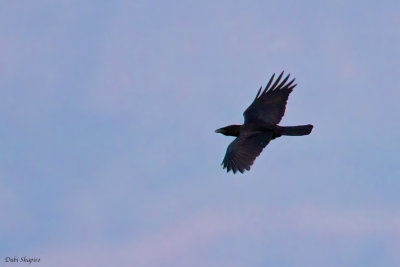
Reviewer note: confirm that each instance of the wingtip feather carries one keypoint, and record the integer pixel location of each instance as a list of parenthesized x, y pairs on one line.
[(258, 93), (277, 81), (269, 83), (282, 84)]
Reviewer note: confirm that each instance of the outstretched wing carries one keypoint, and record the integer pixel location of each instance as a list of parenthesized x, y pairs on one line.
[(269, 105), (242, 152)]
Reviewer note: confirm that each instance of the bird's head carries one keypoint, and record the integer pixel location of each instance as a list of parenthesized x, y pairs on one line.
[(231, 130)]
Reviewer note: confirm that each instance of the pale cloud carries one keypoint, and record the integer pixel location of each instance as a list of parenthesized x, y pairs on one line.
[(182, 243), (159, 248)]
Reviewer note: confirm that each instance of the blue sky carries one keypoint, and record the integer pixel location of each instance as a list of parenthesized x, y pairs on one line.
[(109, 156)]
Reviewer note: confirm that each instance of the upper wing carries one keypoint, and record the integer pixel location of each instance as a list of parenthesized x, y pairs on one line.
[(269, 105), (242, 152)]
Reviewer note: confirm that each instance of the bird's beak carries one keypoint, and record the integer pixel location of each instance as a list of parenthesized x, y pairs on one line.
[(218, 131)]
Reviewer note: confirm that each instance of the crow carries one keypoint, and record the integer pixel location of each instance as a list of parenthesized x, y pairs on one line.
[(260, 126)]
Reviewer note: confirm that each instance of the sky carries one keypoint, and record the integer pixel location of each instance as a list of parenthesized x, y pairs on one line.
[(108, 151)]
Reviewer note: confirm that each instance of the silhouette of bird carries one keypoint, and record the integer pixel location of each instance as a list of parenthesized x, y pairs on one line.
[(260, 126)]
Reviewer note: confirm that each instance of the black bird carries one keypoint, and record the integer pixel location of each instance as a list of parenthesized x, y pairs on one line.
[(260, 126)]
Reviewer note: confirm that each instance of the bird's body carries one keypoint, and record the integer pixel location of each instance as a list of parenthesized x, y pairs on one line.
[(260, 126)]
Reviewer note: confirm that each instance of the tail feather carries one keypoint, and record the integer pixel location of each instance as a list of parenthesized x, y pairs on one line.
[(296, 130)]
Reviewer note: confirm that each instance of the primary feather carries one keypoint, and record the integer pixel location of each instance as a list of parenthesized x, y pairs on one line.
[(269, 106)]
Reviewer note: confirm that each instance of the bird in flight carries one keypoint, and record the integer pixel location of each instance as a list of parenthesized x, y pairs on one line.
[(260, 126)]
